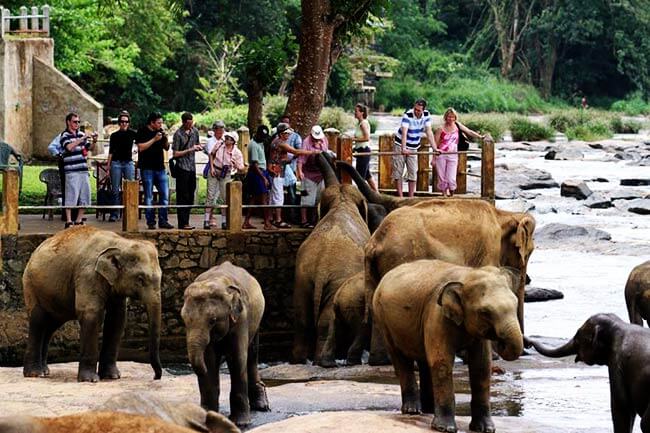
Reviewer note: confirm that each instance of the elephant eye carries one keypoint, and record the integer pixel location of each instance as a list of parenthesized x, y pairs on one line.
[(212, 321), (485, 313)]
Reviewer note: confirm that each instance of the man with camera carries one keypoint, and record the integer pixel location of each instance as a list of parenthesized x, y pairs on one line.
[(224, 159), (184, 145), (152, 141)]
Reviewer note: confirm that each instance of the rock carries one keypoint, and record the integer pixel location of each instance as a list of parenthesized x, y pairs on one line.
[(536, 294), (560, 232), (565, 154), (575, 188), (635, 182), (550, 155), (595, 145), (599, 179), (623, 194), (598, 201), (517, 205), (639, 206), (513, 179)]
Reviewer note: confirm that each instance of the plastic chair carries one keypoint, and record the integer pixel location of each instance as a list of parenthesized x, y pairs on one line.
[(5, 152), (50, 177)]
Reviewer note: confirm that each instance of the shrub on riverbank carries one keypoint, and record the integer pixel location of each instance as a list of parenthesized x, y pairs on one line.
[(492, 123), (233, 117), (633, 105), (336, 117), (523, 129), (625, 126)]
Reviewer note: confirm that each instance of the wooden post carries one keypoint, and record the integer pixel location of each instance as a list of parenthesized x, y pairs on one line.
[(385, 161), (234, 202), (424, 166), (5, 25), (23, 18), (131, 200), (46, 20), (35, 26), (461, 174), (487, 170), (10, 202), (244, 140), (332, 135), (344, 153)]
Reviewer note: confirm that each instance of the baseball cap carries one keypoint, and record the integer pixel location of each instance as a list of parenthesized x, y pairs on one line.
[(218, 124), (317, 132), (283, 127)]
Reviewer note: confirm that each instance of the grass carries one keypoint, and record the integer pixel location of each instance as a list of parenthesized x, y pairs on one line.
[(523, 129)]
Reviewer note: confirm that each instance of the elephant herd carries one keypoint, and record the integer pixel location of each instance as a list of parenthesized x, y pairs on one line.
[(414, 281)]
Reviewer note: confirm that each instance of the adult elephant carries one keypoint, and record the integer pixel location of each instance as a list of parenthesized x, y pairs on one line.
[(464, 232), (86, 274), (637, 294), (331, 254)]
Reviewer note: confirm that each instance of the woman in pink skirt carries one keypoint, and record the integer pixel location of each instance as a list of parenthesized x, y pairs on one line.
[(446, 161)]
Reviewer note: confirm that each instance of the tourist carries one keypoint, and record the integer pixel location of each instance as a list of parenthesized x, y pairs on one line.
[(152, 142), (75, 146), (290, 179), (447, 137), (216, 140), (415, 122), (258, 183), (224, 160), (362, 144), (120, 158), (184, 145), (310, 174)]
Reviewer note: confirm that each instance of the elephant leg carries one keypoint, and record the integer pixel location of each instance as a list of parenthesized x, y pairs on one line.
[(90, 321), (633, 312), (33, 362), (237, 359), (361, 332), (327, 356), (325, 319), (303, 324), (480, 368), (645, 420), (442, 379), (113, 330), (256, 389), (405, 371), (622, 413), (209, 382), (50, 328), (426, 389), (378, 352)]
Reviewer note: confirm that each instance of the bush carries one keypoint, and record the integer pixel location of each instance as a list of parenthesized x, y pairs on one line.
[(336, 117), (274, 107), (625, 126), (373, 124), (492, 123), (633, 105), (523, 129), (234, 117), (400, 94), (592, 130)]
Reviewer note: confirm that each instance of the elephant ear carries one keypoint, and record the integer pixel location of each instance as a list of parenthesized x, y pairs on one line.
[(513, 277), (449, 300), (326, 201), (109, 264), (363, 210), (524, 237), (600, 342), (236, 305)]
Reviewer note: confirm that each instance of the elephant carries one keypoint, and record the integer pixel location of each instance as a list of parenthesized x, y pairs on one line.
[(91, 422), (331, 254), (348, 327), (222, 311), (85, 273), (465, 232), (428, 310), (605, 339), (184, 414), (637, 294)]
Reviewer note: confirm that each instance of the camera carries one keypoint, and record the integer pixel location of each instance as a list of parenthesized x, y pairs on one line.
[(224, 171)]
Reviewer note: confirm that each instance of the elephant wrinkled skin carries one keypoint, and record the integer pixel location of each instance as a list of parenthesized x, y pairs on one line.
[(637, 294), (222, 312), (605, 339), (428, 310), (464, 232), (86, 274)]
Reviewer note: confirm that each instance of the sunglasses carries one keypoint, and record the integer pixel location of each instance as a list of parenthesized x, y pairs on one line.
[(75, 121), (123, 121)]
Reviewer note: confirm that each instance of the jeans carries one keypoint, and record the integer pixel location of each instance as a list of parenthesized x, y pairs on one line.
[(120, 170), (185, 186), (157, 178)]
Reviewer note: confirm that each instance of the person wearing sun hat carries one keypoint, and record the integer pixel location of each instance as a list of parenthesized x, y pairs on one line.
[(215, 141), (224, 160), (310, 174)]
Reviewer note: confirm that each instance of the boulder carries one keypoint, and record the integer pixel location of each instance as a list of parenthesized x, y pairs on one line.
[(598, 201), (575, 188), (515, 178), (561, 232), (635, 182), (639, 206), (536, 294), (622, 194)]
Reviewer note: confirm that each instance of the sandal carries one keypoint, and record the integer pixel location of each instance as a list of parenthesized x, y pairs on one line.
[(68, 225), (248, 226), (269, 227), (307, 225), (79, 223), (282, 225)]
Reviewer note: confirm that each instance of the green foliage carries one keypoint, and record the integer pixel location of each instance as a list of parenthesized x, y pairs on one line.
[(400, 93), (274, 107), (523, 129), (586, 125), (340, 86), (625, 126), (336, 117), (492, 123), (432, 65), (234, 117), (373, 124), (633, 105), (595, 129), (220, 85)]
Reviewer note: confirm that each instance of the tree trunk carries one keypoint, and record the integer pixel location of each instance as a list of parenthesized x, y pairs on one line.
[(315, 60), (255, 93)]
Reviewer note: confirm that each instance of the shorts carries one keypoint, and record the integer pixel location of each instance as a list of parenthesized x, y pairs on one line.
[(77, 188), (254, 185), (216, 189), (411, 162), (277, 191), (313, 191)]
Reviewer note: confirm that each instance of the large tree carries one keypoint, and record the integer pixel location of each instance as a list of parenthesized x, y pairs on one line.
[(325, 25)]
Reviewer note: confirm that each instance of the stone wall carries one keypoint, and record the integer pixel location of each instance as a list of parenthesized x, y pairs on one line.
[(270, 257)]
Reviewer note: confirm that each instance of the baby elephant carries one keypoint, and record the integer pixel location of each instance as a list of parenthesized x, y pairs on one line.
[(428, 310), (222, 312), (637, 294), (604, 339)]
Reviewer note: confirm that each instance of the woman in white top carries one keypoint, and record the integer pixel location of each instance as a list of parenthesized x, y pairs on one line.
[(362, 144)]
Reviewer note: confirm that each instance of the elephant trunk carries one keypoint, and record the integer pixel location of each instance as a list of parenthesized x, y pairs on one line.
[(510, 342), (325, 165), (566, 350), (388, 202), (196, 344), (154, 314)]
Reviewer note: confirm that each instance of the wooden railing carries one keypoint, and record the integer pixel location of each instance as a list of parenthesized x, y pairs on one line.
[(28, 24)]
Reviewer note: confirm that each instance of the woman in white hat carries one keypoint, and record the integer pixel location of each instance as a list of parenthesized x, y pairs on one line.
[(310, 174), (224, 160)]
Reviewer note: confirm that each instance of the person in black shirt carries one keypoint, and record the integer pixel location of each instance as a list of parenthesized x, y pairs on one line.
[(120, 159), (184, 144), (152, 141)]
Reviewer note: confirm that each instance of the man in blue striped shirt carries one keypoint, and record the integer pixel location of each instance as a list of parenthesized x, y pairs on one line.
[(415, 123), (75, 146)]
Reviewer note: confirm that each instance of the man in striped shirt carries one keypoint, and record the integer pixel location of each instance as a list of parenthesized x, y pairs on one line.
[(415, 123), (75, 146)]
